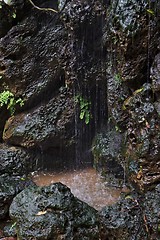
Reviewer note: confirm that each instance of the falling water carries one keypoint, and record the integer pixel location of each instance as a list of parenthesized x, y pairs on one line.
[(86, 184)]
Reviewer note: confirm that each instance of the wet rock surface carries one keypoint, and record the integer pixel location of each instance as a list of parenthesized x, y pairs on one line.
[(9, 188), (36, 66), (106, 52), (15, 161), (53, 213), (133, 217), (47, 125), (143, 139), (108, 158), (123, 221)]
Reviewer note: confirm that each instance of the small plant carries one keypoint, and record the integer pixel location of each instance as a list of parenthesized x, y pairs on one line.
[(13, 226), (150, 11), (7, 98), (117, 78), (84, 108)]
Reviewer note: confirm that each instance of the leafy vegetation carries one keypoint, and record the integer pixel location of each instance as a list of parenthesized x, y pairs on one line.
[(117, 78), (150, 11), (84, 108), (8, 99)]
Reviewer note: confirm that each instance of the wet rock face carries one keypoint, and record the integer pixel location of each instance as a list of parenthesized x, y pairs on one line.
[(117, 93), (133, 107), (45, 126), (31, 67), (129, 21), (133, 217), (7, 12), (123, 221), (53, 213), (143, 139), (151, 205), (36, 67), (9, 188), (108, 157), (155, 76), (16, 161)]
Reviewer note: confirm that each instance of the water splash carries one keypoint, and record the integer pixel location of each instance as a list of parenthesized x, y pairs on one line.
[(85, 184)]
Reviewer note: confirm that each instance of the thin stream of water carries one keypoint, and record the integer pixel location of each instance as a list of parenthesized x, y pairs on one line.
[(86, 184)]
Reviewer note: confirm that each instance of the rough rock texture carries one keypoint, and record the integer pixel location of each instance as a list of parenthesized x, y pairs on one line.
[(131, 37), (53, 213), (143, 139), (123, 221), (47, 63), (47, 125), (106, 52), (15, 161), (133, 217), (133, 32), (9, 188), (32, 50), (108, 158), (155, 76)]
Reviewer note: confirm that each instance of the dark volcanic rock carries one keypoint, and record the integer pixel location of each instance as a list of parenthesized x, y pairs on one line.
[(117, 93), (133, 33), (30, 59), (9, 188), (152, 212), (49, 125), (143, 138), (155, 76), (123, 221), (8, 14), (16, 161), (102, 51), (107, 151), (53, 213), (133, 217)]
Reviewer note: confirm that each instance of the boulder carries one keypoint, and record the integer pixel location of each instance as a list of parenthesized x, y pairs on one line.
[(9, 188), (49, 125), (53, 213), (107, 150), (133, 217), (16, 161)]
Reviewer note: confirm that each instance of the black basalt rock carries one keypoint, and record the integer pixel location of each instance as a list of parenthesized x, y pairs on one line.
[(9, 188), (53, 213)]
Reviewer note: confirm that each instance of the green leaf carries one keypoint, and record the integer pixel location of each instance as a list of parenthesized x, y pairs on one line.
[(138, 90), (150, 11), (8, 2), (128, 197), (117, 128), (14, 15), (20, 102), (11, 103), (7, 98), (87, 117), (82, 113)]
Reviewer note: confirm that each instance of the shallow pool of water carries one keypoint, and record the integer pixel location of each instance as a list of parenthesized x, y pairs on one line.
[(85, 184)]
